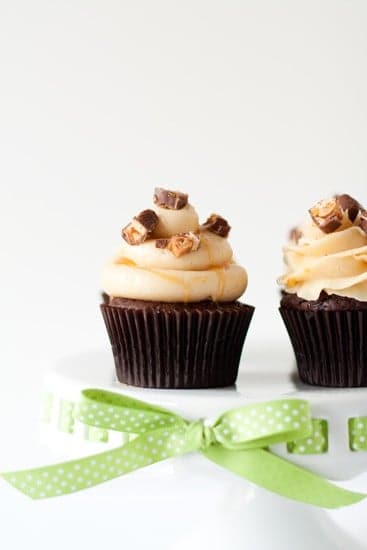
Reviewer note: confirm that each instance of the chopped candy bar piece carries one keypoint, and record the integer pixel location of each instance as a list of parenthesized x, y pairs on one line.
[(218, 225), (327, 215), (140, 227), (173, 200), (183, 243), (349, 205)]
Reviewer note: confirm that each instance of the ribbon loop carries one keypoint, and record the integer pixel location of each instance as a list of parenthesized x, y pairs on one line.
[(113, 411), (238, 441), (263, 424)]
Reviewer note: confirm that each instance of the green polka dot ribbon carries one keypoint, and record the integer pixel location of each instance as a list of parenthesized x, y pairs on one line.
[(238, 440), (315, 443), (358, 433)]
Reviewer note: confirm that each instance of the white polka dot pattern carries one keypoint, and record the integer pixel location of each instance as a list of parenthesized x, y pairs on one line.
[(122, 414), (87, 472), (358, 433), (256, 423), (160, 435), (315, 443)]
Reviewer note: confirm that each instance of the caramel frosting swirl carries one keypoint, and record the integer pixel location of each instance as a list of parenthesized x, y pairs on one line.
[(145, 272), (335, 263)]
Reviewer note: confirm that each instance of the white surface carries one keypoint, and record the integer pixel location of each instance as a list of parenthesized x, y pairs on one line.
[(100, 102), (256, 382), (183, 504)]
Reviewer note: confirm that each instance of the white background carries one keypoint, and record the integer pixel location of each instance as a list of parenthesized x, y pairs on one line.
[(256, 108)]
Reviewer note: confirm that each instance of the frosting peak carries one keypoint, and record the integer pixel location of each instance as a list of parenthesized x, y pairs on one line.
[(173, 258)]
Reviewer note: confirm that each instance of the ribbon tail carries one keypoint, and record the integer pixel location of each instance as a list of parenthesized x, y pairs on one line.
[(284, 478), (76, 475), (69, 477)]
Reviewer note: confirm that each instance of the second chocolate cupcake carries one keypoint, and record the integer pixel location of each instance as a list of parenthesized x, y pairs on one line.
[(324, 301), (171, 306)]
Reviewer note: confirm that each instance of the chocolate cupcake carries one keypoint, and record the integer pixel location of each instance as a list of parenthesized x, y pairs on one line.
[(170, 299), (324, 297)]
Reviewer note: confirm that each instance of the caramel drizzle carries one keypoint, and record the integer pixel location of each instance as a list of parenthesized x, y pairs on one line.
[(220, 272), (125, 261)]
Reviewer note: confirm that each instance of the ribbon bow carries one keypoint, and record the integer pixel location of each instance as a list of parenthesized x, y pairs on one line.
[(238, 441)]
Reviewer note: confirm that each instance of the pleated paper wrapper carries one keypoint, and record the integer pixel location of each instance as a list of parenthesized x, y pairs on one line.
[(330, 346), (177, 345)]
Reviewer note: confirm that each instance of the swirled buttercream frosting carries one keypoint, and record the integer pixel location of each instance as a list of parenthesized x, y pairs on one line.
[(167, 256), (328, 253)]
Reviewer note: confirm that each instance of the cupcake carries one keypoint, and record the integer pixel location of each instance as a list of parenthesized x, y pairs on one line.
[(170, 299), (324, 294)]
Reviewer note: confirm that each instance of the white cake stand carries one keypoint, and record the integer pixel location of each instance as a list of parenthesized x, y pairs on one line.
[(234, 514)]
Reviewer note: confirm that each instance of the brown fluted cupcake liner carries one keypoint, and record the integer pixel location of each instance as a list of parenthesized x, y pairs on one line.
[(330, 346), (158, 345)]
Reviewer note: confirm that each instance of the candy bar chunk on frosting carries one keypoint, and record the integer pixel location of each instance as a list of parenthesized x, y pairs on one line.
[(183, 243), (349, 205), (218, 225), (173, 200), (162, 243), (327, 215), (140, 227), (331, 254), (295, 234)]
